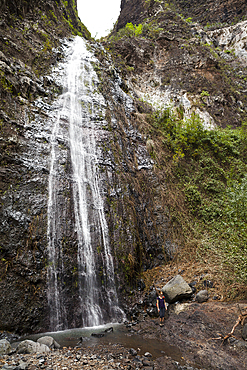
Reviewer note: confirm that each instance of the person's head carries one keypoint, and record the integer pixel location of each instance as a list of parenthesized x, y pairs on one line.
[(161, 293)]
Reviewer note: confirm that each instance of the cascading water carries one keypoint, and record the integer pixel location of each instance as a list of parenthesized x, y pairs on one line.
[(78, 121)]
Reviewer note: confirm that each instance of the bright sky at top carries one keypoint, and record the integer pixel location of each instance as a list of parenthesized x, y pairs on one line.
[(98, 15)]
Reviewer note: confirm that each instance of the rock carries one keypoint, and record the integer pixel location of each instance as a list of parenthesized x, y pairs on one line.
[(152, 311), (22, 365), (29, 347), (5, 347), (147, 354), (109, 330), (141, 285), (49, 342), (208, 284), (177, 289), (97, 335), (202, 296), (244, 332), (133, 352)]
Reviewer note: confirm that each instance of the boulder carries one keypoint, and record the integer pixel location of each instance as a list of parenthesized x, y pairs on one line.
[(176, 290), (49, 342), (202, 296), (5, 347), (30, 347), (244, 332), (133, 352)]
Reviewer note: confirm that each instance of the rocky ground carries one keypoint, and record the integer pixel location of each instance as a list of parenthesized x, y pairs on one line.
[(99, 357), (190, 327)]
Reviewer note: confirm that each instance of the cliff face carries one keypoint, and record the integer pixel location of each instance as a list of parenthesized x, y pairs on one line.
[(30, 44), (131, 11), (175, 59), (188, 59), (212, 12)]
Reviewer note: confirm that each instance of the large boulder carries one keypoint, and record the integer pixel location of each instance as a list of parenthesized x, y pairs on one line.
[(202, 296), (5, 347), (49, 342), (30, 347), (176, 290)]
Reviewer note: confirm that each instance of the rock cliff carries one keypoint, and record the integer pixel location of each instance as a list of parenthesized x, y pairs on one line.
[(32, 43), (30, 39), (212, 13)]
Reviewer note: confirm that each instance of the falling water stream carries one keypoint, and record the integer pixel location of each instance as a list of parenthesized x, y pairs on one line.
[(81, 108)]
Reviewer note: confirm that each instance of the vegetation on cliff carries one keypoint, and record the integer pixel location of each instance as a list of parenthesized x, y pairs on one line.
[(206, 169)]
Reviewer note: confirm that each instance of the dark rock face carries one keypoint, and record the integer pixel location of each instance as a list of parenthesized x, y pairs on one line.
[(211, 12), (30, 44), (244, 332), (137, 222), (22, 9), (131, 11)]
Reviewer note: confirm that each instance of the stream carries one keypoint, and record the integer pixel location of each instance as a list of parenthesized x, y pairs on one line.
[(120, 335)]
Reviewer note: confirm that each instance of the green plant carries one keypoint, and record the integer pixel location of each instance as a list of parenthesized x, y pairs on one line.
[(188, 20), (204, 93)]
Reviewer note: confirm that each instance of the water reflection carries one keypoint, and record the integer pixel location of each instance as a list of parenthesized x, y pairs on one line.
[(120, 335)]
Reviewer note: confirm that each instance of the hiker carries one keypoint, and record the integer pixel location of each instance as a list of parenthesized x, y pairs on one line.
[(162, 307)]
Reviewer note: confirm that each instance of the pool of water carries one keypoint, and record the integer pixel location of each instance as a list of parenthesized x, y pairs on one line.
[(120, 335)]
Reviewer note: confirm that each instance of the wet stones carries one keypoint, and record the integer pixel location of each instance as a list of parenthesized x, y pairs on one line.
[(133, 352)]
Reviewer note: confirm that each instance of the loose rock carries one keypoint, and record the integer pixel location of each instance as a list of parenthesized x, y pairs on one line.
[(177, 289), (202, 296), (49, 342), (5, 347), (28, 346)]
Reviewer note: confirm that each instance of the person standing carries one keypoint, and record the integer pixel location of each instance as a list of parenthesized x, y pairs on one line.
[(162, 307)]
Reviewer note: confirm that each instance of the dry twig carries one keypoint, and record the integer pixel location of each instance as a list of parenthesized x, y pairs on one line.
[(240, 320)]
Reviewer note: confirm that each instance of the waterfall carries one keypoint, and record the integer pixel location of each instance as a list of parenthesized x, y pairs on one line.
[(78, 121)]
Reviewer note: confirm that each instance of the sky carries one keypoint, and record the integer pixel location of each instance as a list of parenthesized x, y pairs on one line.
[(98, 15)]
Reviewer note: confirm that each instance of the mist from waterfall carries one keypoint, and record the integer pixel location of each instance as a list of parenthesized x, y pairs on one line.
[(79, 111)]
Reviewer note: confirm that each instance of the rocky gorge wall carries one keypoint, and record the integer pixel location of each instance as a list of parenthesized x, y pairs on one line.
[(32, 43), (30, 35), (210, 13), (175, 59)]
